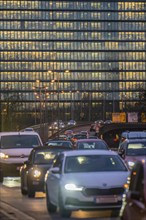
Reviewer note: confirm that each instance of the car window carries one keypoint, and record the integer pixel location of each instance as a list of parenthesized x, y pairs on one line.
[(58, 161), (92, 145), (44, 157), (94, 163), (60, 143), (19, 141), (136, 149)]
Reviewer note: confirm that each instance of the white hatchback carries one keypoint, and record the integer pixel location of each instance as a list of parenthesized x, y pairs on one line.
[(86, 180), (15, 148)]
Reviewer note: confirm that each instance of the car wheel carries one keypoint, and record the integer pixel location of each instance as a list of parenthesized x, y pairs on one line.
[(50, 207), (63, 212)]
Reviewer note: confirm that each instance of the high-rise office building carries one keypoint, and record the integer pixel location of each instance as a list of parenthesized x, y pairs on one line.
[(71, 59)]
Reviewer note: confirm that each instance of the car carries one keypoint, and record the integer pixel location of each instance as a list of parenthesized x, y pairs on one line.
[(84, 133), (108, 122), (33, 171), (78, 136), (71, 122), (15, 148), (28, 129), (69, 133), (132, 135), (59, 143), (86, 180), (91, 144), (134, 200), (132, 150)]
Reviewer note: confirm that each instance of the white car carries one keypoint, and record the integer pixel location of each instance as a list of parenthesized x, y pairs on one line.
[(71, 122), (86, 180), (15, 148)]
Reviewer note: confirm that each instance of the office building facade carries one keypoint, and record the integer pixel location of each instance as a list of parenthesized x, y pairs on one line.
[(71, 59)]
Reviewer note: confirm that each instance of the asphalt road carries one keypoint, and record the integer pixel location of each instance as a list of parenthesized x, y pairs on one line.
[(23, 208)]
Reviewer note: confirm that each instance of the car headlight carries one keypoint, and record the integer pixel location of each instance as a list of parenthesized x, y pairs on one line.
[(4, 156), (73, 187), (36, 173), (130, 164)]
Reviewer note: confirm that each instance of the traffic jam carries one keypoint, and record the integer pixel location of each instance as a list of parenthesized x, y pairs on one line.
[(79, 171)]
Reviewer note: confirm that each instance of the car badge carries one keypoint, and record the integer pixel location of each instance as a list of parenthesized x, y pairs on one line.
[(22, 155)]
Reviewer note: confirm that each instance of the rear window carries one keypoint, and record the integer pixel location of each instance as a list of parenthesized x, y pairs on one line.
[(92, 145), (19, 141)]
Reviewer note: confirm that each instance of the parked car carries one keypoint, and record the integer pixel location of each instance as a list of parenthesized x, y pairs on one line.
[(33, 170), (86, 180), (91, 144), (71, 122), (59, 143), (132, 150), (15, 148), (134, 201)]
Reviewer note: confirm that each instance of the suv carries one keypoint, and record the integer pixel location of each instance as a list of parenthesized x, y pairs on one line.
[(15, 148), (133, 150)]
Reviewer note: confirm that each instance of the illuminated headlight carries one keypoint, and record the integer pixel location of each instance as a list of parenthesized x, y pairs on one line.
[(36, 173), (130, 164), (73, 187), (4, 156)]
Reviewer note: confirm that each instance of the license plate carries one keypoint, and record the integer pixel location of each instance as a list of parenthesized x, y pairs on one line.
[(106, 199), (35, 183)]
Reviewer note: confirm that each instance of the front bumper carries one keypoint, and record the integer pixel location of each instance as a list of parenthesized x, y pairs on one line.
[(38, 185), (75, 204), (80, 201)]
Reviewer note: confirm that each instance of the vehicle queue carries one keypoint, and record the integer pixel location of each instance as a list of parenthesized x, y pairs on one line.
[(82, 176)]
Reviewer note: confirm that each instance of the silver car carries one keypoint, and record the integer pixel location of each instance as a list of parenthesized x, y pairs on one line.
[(86, 180)]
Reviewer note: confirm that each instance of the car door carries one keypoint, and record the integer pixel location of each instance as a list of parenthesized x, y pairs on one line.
[(54, 180), (135, 208)]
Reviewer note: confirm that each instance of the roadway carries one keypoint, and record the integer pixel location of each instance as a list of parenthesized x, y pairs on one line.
[(18, 207)]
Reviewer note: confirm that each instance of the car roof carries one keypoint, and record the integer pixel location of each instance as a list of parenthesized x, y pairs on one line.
[(135, 140), (18, 133), (89, 152), (90, 140)]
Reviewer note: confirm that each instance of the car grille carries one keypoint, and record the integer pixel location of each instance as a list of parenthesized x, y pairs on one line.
[(97, 191)]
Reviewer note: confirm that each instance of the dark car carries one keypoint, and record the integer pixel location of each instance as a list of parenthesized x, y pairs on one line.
[(134, 200), (33, 171), (91, 144), (60, 143), (133, 150)]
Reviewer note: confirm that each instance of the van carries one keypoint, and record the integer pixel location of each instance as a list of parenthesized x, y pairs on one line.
[(15, 148)]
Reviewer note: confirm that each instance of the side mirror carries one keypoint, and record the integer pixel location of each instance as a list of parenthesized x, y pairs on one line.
[(122, 153), (55, 170)]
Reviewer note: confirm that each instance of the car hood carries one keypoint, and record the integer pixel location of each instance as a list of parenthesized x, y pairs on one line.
[(135, 158), (17, 151), (100, 179)]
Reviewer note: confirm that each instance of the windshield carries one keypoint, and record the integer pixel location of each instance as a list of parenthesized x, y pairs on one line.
[(19, 141), (136, 149), (44, 157), (93, 163), (92, 145)]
